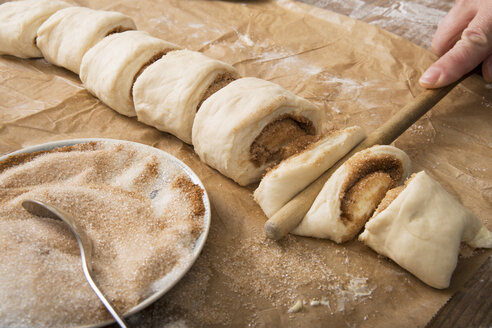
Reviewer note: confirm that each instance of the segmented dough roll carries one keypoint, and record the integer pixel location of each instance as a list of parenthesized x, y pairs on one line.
[(251, 124), (421, 226), (66, 36), (168, 93), (353, 192), (110, 68), (19, 23), (281, 183)]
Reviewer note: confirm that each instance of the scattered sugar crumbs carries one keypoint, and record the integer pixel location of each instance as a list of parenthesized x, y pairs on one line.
[(141, 212), (258, 276)]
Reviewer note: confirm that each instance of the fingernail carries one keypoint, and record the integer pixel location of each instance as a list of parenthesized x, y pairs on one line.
[(430, 77)]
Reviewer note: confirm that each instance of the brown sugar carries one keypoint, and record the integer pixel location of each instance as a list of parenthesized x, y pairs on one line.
[(298, 145), (149, 173), (220, 81), (132, 203), (27, 157), (149, 62), (361, 166), (388, 199), (283, 133), (194, 195), (118, 29), (363, 197), (368, 179), (391, 195)]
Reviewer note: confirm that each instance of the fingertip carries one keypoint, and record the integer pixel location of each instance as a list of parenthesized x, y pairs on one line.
[(431, 77), (437, 77)]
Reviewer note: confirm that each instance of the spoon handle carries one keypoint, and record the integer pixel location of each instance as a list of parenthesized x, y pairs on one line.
[(109, 306)]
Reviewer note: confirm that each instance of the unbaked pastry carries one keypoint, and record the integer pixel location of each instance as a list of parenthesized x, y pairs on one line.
[(422, 228), (281, 183), (110, 68), (19, 23), (353, 192), (167, 94), (66, 36), (250, 125)]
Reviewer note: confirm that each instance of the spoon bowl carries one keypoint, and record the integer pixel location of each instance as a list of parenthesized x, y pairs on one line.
[(41, 209)]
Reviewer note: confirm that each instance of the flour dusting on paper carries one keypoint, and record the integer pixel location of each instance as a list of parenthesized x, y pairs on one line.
[(339, 89), (283, 60), (162, 20), (345, 297), (347, 85)]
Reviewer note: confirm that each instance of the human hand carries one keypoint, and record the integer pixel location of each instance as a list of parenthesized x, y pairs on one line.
[(463, 40)]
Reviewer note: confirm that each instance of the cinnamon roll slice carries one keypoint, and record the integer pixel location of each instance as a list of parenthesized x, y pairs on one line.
[(420, 226), (352, 193), (110, 68), (250, 125), (282, 182), (68, 34), (19, 24), (169, 92)]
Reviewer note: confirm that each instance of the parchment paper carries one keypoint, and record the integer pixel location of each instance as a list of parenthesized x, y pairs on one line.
[(358, 74)]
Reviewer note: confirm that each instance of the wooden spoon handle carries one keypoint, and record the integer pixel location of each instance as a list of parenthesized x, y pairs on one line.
[(289, 216)]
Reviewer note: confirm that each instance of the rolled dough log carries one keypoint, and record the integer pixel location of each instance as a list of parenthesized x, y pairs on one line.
[(327, 217), (66, 36), (168, 92), (281, 183), (19, 23), (110, 68), (422, 229), (229, 129)]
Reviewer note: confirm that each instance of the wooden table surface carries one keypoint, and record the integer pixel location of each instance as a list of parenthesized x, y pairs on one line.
[(417, 21)]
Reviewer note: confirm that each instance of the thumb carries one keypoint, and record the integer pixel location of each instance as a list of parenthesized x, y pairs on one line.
[(475, 45)]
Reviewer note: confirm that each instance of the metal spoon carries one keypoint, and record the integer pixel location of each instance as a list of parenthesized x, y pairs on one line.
[(41, 209)]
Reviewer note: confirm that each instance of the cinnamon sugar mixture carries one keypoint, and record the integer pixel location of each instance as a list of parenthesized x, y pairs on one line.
[(149, 62), (117, 29), (280, 139), (141, 212), (220, 81)]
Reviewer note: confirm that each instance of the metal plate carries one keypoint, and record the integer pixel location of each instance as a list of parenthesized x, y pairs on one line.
[(180, 270)]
